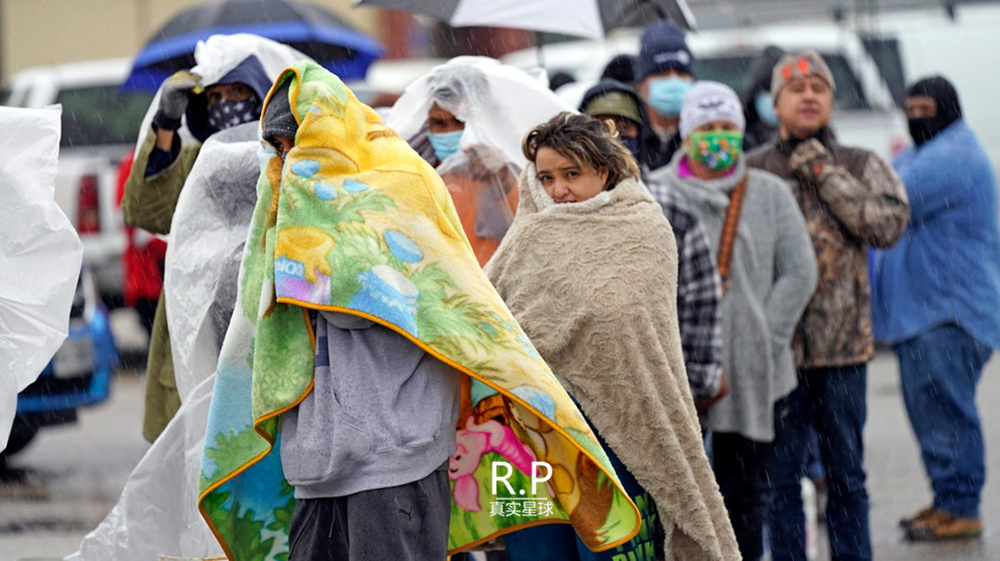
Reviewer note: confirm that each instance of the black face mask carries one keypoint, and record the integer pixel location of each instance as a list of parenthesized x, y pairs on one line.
[(226, 113), (926, 128), (948, 108)]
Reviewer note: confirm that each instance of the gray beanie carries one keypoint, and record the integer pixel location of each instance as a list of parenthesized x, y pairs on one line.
[(278, 118), (710, 101)]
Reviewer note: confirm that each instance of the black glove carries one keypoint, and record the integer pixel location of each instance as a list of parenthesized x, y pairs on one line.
[(175, 93)]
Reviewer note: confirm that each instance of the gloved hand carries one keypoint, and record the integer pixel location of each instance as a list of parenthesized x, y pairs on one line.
[(810, 160), (174, 97)]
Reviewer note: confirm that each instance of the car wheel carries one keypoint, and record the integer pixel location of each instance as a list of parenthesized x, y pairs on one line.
[(21, 435)]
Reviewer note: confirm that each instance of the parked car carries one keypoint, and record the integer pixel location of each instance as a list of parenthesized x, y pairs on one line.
[(79, 374), (100, 125), (867, 114)]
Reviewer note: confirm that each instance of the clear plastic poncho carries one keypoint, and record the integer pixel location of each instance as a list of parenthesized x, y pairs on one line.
[(206, 247), (157, 513), (40, 254), (498, 104), (200, 276)]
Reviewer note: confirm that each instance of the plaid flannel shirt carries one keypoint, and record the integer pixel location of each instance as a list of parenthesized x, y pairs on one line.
[(699, 295)]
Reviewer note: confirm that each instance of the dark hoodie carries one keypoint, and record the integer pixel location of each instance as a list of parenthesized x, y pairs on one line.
[(759, 81), (608, 85), (948, 109), (249, 72)]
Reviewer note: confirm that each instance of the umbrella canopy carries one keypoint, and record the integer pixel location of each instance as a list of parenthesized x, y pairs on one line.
[(582, 18), (310, 29)]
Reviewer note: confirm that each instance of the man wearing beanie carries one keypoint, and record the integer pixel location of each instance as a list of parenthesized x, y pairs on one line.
[(664, 72), (768, 269), (851, 200), (935, 299), (699, 290)]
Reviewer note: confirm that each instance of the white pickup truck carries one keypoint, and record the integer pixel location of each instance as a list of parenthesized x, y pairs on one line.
[(866, 114), (100, 124)]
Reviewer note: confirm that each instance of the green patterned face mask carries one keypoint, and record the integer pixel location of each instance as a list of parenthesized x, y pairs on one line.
[(715, 149)]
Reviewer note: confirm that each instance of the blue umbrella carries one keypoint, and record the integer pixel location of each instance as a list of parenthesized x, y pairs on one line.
[(312, 30)]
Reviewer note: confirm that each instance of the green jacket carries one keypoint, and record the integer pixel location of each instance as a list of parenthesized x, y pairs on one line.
[(149, 204)]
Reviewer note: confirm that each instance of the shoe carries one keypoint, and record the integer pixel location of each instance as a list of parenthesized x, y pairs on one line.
[(909, 521), (942, 526)]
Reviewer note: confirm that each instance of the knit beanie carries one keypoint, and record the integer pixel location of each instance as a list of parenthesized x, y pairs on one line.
[(710, 101), (278, 118), (798, 65), (663, 48)]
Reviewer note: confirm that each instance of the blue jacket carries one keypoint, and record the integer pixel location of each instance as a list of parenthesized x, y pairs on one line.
[(946, 268)]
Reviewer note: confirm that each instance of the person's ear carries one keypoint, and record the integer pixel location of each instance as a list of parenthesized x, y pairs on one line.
[(603, 173)]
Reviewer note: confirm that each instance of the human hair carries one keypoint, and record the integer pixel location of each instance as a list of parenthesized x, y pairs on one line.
[(586, 142)]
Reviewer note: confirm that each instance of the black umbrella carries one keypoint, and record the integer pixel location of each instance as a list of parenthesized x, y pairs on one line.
[(313, 30)]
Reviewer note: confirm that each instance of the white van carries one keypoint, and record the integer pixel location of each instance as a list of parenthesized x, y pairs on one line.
[(866, 114), (99, 127)]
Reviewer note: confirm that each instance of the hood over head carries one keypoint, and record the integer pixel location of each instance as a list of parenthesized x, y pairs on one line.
[(498, 104), (217, 58), (948, 108), (250, 72), (609, 87)]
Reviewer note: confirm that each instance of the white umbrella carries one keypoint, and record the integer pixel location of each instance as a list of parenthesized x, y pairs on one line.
[(583, 18)]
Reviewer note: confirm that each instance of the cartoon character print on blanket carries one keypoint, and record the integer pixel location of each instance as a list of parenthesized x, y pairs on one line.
[(354, 221)]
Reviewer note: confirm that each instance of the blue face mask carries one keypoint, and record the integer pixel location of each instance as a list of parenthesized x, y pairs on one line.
[(632, 143), (444, 143), (666, 95), (764, 105)]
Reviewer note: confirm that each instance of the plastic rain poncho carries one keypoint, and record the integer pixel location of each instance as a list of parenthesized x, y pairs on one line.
[(219, 55), (204, 233), (498, 104), (40, 254), (206, 246), (157, 513)]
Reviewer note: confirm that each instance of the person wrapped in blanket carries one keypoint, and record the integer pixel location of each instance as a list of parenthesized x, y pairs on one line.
[(589, 269), (222, 91), (345, 496), (699, 288), (466, 117)]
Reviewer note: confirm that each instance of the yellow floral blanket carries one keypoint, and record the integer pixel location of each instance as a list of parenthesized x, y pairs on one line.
[(354, 221)]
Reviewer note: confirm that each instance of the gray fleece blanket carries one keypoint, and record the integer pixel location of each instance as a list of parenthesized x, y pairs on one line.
[(594, 285)]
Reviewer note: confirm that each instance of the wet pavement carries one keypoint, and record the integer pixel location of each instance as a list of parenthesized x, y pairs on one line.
[(66, 481)]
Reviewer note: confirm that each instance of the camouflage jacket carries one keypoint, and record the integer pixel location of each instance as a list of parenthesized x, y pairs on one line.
[(851, 199)]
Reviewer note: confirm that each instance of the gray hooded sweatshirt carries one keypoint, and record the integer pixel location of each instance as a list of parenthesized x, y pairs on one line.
[(382, 412), (773, 278)]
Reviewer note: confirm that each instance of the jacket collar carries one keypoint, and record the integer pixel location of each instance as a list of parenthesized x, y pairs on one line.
[(824, 135)]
